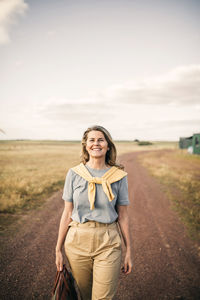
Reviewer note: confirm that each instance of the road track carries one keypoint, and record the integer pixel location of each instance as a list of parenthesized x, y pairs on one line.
[(166, 261)]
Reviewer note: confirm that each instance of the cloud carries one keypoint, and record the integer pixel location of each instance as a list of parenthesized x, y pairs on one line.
[(181, 86), (79, 110), (172, 112), (2, 131), (180, 123), (178, 88), (9, 11)]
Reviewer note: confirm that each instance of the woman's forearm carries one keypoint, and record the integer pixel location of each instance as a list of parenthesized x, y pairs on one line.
[(123, 221), (63, 228), (124, 227)]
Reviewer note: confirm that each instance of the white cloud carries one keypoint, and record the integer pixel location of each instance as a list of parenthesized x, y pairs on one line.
[(143, 100), (79, 110), (9, 11), (173, 113), (2, 131), (181, 86)]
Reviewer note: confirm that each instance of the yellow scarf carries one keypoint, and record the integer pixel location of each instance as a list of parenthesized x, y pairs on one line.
[(112, 175)]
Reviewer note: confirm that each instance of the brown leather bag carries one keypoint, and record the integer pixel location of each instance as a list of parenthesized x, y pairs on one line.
[(64, 286)]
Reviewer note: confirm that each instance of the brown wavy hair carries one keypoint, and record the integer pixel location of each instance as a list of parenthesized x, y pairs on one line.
[(111, 154)]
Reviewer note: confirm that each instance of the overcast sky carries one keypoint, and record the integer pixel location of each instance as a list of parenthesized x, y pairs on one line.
[(132, 66)]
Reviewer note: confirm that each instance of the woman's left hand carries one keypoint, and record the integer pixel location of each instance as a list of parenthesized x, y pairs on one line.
[(127, 267)]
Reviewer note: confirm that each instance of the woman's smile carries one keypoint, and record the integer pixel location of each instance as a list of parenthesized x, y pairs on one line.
[(96, 145), (96, 149)]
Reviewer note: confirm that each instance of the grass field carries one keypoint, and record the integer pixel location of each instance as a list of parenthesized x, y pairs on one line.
[(32, 170), (179, 173)]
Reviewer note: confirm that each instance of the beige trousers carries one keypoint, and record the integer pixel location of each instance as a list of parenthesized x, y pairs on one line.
[(94, 253)]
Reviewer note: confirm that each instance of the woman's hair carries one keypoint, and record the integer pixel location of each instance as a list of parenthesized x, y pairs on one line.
[(111, 154)]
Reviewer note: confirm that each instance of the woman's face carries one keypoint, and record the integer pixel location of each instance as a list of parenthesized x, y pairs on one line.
[(96, 144)]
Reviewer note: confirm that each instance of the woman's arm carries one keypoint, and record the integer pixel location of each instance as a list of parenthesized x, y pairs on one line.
[(63, 228), (123, 221)]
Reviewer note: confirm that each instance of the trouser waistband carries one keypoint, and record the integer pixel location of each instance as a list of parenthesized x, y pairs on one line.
[(92, 224)]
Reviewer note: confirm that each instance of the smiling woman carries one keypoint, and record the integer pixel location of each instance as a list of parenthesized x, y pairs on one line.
[(96, 199), (98, 140), (96, 146)]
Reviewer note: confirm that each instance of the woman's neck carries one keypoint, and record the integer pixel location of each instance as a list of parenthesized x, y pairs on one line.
[(97, 164)]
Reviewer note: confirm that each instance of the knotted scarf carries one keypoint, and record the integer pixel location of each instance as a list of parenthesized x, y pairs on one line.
[(112, 175)]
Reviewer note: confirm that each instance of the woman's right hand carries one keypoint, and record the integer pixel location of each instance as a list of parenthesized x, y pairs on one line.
[(59, 260)]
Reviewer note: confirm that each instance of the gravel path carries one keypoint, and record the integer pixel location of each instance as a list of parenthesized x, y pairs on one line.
[(166, 261)]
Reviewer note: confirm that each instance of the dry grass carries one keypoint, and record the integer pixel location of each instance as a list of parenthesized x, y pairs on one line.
[(124, 147), (32, 170), (179, 172)]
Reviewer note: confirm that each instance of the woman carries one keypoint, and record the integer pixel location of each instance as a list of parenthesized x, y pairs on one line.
[(96, 199)]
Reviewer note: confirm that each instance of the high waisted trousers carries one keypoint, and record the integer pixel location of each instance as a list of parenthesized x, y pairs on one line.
[(93, 250)]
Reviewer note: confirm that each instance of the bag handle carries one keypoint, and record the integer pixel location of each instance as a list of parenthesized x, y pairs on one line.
[(56, 281), (61, 273), (63, 276)]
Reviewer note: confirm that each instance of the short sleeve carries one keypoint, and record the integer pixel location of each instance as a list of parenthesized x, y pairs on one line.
[(68, 187), (122, 196)]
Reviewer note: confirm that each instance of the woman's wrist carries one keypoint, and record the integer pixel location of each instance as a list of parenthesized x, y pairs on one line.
[(128, 250), (58, 249)]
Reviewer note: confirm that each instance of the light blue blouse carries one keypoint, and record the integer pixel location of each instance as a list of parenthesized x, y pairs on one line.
[(76, 191)]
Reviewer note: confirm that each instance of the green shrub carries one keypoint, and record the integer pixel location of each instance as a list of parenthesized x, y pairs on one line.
[(144, 143)]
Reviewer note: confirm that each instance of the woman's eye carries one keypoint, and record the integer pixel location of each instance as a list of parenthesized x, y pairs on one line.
[(101, 140)]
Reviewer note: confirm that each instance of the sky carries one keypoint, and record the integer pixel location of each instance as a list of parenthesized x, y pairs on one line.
[(132, 66)]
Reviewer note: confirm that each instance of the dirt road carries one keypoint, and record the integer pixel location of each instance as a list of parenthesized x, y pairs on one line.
[(166, 262)]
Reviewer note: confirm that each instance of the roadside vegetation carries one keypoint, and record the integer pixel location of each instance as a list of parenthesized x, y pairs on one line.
[(31, 171), (179, 173)]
